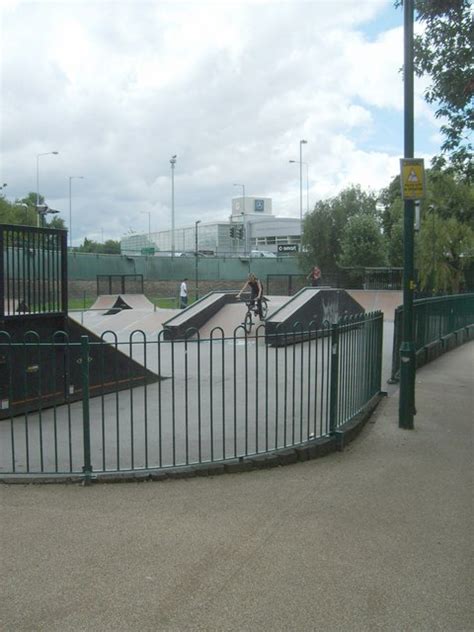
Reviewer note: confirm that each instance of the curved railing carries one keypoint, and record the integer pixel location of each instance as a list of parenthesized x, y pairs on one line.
[(215, 400), (434, 319)]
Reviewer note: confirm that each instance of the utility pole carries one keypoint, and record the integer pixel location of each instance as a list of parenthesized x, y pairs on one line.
[(407, 348)]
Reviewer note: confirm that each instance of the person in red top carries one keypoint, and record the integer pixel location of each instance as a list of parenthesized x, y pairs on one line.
[(315, 276)]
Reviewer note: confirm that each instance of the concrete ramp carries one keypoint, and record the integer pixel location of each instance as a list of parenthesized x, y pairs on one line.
[(196, 315), (125, 322), (309, 308), (384, 300), (231, 315), (122, 301)]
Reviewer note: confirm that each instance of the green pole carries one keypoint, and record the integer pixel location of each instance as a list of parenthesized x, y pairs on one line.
[(87, 468), (407, 348), (334, 377)]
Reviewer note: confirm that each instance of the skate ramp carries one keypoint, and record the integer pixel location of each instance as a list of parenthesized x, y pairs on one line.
[(122, 301), (231, 316), (196, 315), (374, 300), (308, 310), (125, 322)]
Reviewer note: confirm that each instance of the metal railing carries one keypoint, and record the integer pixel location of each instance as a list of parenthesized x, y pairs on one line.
[(33, 271), (216, 399), (433, 318)]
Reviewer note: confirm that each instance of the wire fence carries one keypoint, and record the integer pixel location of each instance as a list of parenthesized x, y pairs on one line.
[(214, 399)]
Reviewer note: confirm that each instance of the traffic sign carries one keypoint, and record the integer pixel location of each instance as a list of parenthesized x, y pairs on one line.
[(412, 175)]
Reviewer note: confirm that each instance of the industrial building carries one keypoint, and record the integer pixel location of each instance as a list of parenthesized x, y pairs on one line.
[(251, 226)]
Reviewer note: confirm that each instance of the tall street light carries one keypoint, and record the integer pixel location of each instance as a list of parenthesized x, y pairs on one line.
[(149, 225), (243, 193), (307, 181), (38, 156), (302, 142), (196, 255), (236, 184), (70, 207), (172, 163)]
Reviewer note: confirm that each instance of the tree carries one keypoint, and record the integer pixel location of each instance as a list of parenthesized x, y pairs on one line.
[(323, 227), (443, 244), (443, 51), (362, 243), (444, 250), (110, 247)]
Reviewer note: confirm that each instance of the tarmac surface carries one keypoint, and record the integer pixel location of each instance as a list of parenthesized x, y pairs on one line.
[(378, 537)]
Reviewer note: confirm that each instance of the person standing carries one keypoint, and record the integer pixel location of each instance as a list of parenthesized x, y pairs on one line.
[(183, 294), (315, 276)]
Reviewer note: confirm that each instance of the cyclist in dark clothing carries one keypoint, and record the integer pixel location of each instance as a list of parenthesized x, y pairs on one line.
[(256, 293)]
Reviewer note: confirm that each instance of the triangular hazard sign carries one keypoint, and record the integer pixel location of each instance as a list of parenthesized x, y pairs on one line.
[(412, 177)]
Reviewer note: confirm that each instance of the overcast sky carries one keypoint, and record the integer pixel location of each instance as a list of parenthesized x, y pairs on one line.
[(117, 88)]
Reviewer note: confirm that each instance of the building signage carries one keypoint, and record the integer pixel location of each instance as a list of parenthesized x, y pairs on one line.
[(412, 178), (259, 206), (287, 248)]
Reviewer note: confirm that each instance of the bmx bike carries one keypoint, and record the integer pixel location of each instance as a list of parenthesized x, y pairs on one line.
[(252, 312)]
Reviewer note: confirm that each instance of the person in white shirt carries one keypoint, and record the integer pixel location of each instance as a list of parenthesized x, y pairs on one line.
[(183, 294)]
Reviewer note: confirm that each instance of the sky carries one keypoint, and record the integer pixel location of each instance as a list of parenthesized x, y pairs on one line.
[(231, 88)]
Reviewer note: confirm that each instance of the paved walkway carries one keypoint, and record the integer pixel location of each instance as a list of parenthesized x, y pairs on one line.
[(376, 538)]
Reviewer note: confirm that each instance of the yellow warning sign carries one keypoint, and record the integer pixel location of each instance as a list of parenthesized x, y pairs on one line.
[(412, 174)]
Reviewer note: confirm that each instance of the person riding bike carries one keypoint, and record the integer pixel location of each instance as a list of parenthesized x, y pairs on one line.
[(256, 293)]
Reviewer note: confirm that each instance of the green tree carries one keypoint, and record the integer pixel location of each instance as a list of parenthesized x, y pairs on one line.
[(362, 243), (109, 247), (443, 51), (323, 227), (445, 248)]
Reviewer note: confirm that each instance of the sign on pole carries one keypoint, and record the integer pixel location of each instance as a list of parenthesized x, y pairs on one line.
[(412, 177)]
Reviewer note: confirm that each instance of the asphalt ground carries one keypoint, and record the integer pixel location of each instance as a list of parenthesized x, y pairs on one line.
[(378, 537)]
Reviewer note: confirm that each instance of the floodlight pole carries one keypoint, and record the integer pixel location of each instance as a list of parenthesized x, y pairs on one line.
[(407, 348)]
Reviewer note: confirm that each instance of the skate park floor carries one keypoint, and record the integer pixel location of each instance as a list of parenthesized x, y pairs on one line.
[(150, 320), (378, 537)]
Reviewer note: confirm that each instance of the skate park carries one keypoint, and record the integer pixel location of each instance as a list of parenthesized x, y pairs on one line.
[(126, 386)]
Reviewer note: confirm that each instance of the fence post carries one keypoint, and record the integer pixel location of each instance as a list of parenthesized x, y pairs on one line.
[(87, 467), (334, 378)]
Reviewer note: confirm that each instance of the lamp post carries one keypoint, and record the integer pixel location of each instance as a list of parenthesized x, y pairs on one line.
[(38, 156), (196, 256), (149, 224), (70, 207), (172, 163), (236, 184), (243, 193), (302, 142), (307, 181), (406, 408)]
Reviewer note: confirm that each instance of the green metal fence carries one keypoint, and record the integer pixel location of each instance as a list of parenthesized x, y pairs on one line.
[(217, 398), (434, 318)]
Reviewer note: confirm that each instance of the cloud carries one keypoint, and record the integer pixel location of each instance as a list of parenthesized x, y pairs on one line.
[(117, 88)]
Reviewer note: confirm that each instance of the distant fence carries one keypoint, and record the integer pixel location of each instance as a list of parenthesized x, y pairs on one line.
[(435, 320), (217, 400), (353, 278), (119, 284)]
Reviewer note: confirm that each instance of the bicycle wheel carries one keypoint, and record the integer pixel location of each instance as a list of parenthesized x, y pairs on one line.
[(248, 322), (264, 309)]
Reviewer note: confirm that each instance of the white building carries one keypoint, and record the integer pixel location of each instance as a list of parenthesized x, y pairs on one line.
[(251, 226)]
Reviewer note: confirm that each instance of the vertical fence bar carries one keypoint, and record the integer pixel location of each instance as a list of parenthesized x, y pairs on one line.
[(87, 467), (334, 377)]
